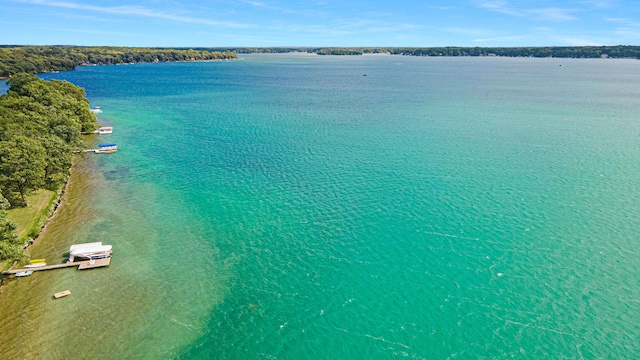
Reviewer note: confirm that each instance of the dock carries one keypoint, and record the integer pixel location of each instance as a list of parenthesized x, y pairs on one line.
[(100, 151), (82, 265)]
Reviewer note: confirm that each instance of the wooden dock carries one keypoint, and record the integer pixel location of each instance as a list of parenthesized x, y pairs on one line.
[(91, 264), (82, 265)]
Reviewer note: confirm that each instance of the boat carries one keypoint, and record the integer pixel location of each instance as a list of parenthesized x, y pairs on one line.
[(36, 263), (106, 148), (104, 130), (60, 294), (96, 110), (24, 273), (94, 250)]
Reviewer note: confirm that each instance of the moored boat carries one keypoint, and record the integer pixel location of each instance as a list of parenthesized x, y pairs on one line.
[(94, 250), (106, 148), (104, 130)]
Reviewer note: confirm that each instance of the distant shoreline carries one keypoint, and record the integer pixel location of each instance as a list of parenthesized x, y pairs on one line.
[(47, 59), (616, 51)]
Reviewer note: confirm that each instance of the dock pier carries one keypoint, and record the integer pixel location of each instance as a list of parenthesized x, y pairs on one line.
[(82, 265)]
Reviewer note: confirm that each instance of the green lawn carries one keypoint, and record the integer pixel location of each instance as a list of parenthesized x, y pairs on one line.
[(27, 217), (5, 264)]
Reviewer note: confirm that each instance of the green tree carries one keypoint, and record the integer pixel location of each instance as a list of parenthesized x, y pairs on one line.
[(58, 154), (19, 81), (9, 243), (22, 165)]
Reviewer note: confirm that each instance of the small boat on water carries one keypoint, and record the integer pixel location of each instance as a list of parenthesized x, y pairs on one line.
[(94, 250), (96, 110), (24, 273), (104, 130), (60, 294), (106, 148)]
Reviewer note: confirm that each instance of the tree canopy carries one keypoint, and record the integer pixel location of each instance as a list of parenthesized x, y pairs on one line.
[(41, 123), (9, 244)]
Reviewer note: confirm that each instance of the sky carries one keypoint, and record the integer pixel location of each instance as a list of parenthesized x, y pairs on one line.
[(315, 23)]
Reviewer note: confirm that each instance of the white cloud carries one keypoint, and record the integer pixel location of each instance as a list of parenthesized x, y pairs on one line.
[(441, 7), (500, 39), (601, 4), (628, 29), (625, 21), (554, 14), (500, 6), (578, 41), (260, 4), (135, 11), (473, 32), (503, 7)]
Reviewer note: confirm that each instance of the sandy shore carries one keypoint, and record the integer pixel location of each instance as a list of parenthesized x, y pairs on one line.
[(26, 301)]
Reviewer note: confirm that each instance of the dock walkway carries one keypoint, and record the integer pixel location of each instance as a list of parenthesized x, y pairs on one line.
[(82, 265)]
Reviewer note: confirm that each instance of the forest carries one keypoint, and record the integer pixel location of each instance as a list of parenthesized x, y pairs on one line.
[(618, 51), (43, 59), (41, 123)]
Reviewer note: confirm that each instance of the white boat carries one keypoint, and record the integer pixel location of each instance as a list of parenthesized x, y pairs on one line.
[(24, 273), (96, 110), (106, 148), (104, 130), (89, 251)]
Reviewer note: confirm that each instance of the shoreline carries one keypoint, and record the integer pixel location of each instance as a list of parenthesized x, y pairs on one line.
[(51, 211), (26, 301), (74, 186), (57, 199)]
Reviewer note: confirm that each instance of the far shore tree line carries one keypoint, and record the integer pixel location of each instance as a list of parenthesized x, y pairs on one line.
[(43, 59), (617, 51), (41, 123)]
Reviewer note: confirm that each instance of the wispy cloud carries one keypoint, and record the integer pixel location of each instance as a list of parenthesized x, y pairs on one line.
[(554, 14), (441, 7), (577, 41), (500, 6), (500, 39), (471, 32), (624, 21), (263, 5), (601, 4), (304, 11), (342, 28), (135, 11), (628, 28), (504, 7)]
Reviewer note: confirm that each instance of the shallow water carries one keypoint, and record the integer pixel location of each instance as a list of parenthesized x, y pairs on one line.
[(287, 206)]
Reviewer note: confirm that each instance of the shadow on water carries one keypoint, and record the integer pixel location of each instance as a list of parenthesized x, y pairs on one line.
[(118, 173)]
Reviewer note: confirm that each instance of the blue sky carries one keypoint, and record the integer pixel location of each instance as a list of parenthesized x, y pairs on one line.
[(321, 22)]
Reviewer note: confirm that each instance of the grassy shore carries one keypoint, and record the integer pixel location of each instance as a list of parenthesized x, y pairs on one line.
[(30, 220)]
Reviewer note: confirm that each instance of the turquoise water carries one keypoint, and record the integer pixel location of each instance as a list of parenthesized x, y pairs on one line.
[(290, 207)]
